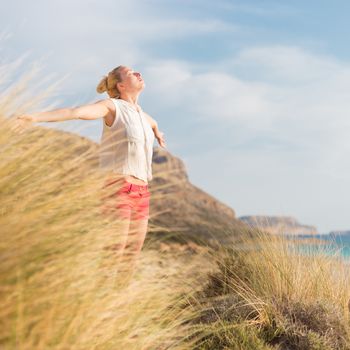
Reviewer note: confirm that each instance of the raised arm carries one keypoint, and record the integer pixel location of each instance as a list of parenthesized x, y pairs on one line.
[(91, 111)]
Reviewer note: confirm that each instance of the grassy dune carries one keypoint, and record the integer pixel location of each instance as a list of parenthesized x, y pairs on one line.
[(61, 287), (267, 296), (60, 284)]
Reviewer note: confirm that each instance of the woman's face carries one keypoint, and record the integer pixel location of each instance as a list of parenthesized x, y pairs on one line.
[(132, 81)]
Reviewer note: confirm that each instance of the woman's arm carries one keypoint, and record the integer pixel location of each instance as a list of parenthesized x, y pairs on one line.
[(157, 133), (91, 111), (56, 115)]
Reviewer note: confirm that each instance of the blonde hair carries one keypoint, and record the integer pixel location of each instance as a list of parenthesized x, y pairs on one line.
[(109, 83)]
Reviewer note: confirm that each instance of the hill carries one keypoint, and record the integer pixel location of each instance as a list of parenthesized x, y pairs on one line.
[(279, 225), (179, 210)]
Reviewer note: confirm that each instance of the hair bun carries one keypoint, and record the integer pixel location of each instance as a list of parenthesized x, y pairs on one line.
[(102, 86)]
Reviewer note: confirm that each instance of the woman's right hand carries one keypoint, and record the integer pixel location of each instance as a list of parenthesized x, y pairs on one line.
[(22, 123)]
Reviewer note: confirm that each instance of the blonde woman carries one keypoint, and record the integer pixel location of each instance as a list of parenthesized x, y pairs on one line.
[(125, 152)]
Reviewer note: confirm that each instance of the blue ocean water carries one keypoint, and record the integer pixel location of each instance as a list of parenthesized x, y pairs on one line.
[(329, 244)]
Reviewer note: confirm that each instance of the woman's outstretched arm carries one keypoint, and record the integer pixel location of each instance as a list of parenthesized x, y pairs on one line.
[(91, 111), (157, 133)]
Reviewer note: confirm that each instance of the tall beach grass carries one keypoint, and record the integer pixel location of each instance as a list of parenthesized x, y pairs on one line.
[(61, 287), (60, 282), (269, 295)]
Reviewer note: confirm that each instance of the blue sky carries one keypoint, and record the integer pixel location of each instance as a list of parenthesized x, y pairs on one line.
[(251, 95)]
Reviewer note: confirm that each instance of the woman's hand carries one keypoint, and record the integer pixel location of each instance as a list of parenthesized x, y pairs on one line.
[(22, 123), (160, 138)]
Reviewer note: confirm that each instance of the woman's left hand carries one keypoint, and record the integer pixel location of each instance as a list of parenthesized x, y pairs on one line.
[(160, 138)]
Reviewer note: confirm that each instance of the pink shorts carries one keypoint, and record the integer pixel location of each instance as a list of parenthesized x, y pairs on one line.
[(125, 200)]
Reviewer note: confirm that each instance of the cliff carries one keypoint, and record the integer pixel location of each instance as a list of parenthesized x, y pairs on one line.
[(184, 207)]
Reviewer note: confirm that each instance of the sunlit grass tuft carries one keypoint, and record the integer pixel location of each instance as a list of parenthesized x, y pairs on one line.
[(61, 285), (281, 297)]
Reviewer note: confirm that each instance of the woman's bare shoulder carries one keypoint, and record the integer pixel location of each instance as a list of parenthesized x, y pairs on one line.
[(107, 102), (112, 116), (110, 104)]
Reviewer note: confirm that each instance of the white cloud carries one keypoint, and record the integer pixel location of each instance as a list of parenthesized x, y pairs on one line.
[(307, 107), (287, 107), (299, 114), (86, 39), (258, 182)]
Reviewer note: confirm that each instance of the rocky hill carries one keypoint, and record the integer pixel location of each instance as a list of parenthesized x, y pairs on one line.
[(183, 207), (278, 225), (179, 210)]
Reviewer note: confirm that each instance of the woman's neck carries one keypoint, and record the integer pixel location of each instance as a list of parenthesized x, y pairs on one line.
[(131, 98)]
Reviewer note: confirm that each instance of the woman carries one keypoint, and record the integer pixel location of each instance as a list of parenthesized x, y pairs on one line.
[(125, 153)]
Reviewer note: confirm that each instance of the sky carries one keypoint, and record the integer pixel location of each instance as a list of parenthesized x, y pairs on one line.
[(253, 96)]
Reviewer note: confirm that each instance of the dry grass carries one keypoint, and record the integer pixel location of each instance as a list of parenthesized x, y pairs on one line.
[(60, 287), (281, 298)]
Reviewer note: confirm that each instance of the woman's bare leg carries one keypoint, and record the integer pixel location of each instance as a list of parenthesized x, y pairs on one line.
[(134, 244), (133, 209), (121, 236), (119, 218), (136, 236)]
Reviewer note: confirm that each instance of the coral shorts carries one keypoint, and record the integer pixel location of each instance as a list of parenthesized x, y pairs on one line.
[(125, 200)]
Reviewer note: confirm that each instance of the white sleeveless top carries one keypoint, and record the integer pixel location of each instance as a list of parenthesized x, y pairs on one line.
[(127, 146)]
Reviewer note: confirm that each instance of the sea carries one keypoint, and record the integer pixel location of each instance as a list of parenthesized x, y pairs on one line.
[(335, 244)]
